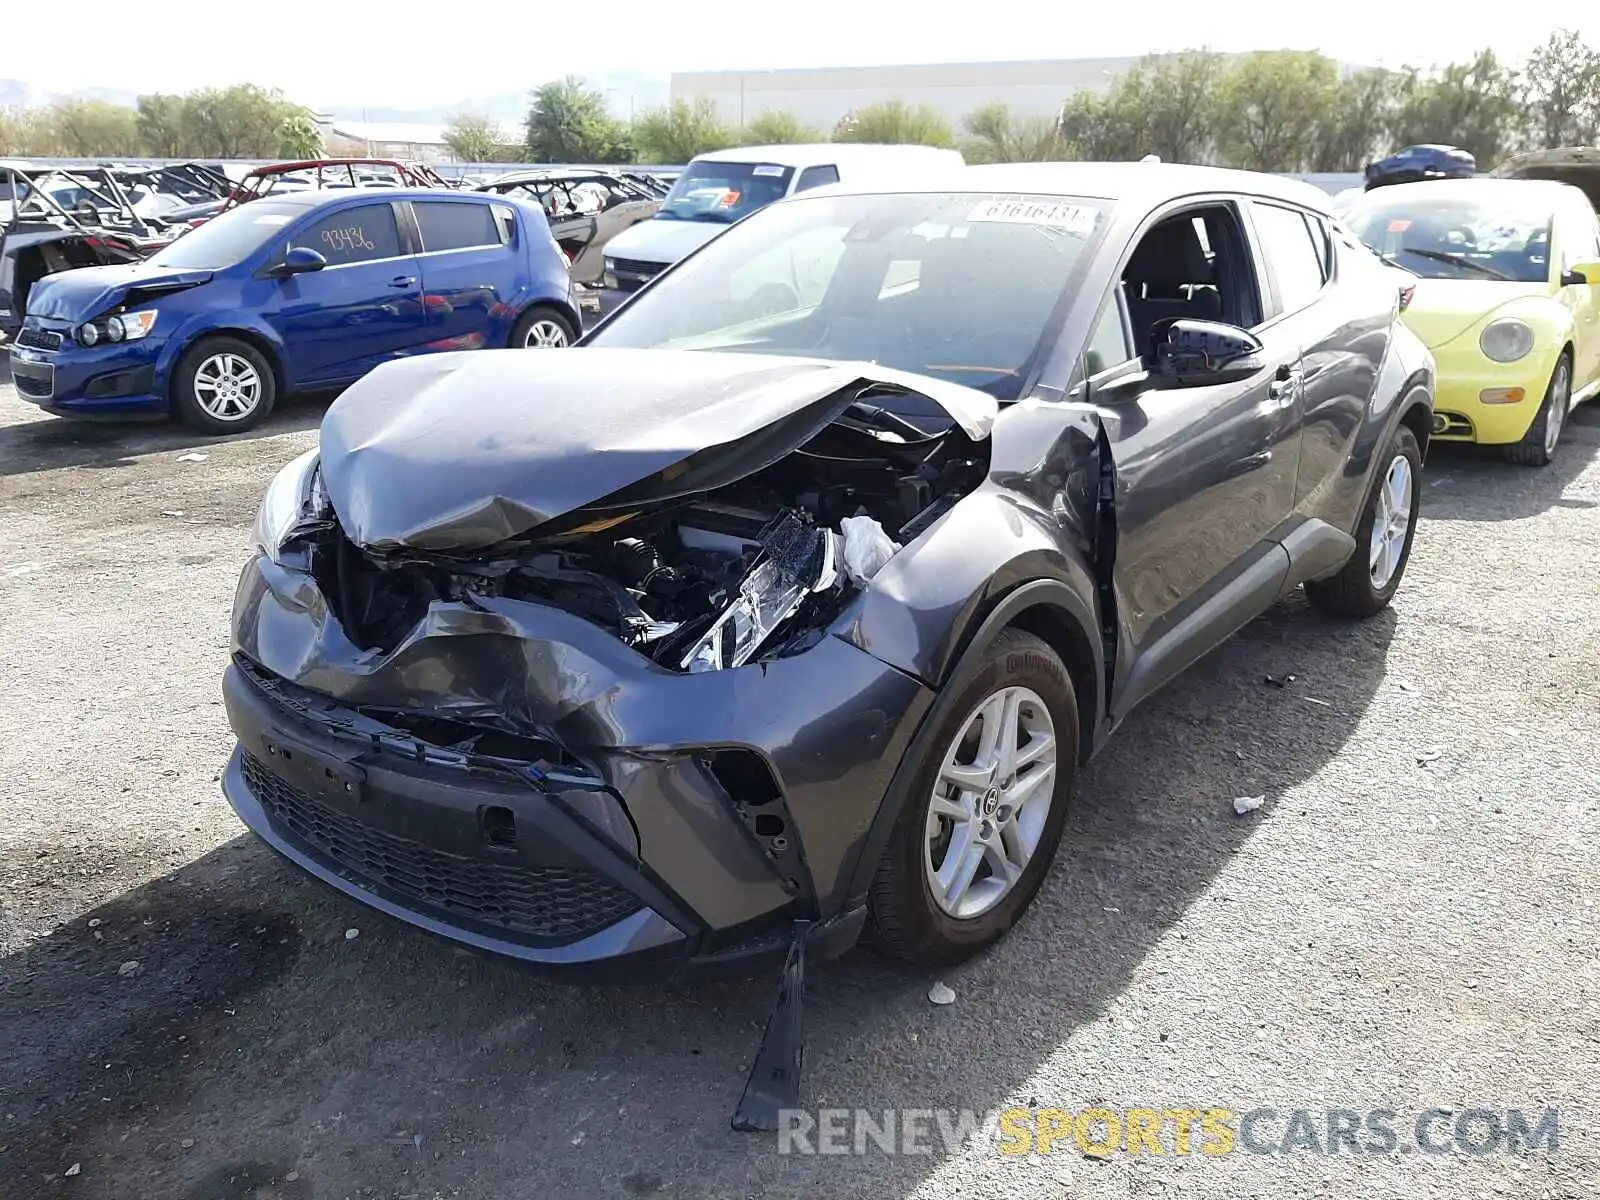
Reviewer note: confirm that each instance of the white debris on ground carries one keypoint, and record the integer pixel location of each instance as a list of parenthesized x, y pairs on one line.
[(1248, 804), (941, 993)]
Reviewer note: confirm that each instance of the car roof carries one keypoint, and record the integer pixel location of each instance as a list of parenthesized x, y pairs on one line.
[(1449, 189), (811, 154), (543, 173), (317, 197), (1150, 182)]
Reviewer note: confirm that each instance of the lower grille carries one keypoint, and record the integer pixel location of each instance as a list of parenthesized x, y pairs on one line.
[(638, 267), (546, 903), (36, 387), (40, 339), (1448, 424)]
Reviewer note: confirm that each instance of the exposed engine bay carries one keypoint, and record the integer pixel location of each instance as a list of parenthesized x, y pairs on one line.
[(752, 570)]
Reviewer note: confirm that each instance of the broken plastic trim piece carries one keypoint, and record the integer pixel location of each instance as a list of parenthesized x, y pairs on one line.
[(774, 1082)]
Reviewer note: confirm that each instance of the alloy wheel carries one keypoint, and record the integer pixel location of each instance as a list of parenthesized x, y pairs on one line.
[(1556, 417), (991, 802), (545, 335), (1391, 519), (227, 386)]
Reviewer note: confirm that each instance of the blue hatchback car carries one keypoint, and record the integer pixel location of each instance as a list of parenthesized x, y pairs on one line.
[(306, 290)]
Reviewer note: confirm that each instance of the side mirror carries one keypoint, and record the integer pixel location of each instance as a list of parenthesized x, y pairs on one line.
[(1187, 352), (1583, 273), (299, 260)]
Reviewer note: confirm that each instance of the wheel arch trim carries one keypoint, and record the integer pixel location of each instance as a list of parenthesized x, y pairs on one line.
[(1053, 612)]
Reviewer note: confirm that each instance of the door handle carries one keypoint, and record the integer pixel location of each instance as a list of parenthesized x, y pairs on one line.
[(402, 281), (1286, 385)]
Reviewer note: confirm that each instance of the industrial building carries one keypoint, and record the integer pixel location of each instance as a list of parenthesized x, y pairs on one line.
[(820, 96)]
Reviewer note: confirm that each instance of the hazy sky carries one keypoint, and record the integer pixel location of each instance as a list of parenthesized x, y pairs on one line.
[(342, 52)]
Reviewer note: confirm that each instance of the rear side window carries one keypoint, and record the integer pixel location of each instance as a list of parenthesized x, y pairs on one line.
[(1294, 258), (455, 226), (814, 177), (364, 233)]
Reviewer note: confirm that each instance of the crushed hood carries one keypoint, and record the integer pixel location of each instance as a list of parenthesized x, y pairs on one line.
[(662, 239), (85, 293), (458, 452)]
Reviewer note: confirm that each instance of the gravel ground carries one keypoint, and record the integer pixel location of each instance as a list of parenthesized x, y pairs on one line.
[(1383, 933)]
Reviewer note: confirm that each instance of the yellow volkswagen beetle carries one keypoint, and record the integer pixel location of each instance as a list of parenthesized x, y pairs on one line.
[(1507, 298)]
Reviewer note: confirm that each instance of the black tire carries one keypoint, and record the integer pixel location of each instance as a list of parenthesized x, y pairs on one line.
[(1351, 593), (1537, 447), (907, 923), (188, 385), (541, 314)]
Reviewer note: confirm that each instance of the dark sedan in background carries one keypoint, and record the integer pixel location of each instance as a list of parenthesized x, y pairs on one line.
[(743, 631)]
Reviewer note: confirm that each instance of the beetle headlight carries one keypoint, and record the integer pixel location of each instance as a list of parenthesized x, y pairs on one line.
[(1506, 340), (295, 494)]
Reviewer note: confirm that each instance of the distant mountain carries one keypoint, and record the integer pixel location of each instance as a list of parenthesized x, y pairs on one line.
[(14, 93), (626, 92)]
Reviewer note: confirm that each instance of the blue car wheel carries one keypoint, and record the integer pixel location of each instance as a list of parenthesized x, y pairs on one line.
[(223, 385)]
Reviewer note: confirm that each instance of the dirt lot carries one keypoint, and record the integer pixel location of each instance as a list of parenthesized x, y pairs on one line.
[(1384, 933)]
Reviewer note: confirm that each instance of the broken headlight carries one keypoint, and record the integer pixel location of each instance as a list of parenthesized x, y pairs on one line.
[(798, 561), (294, 494)]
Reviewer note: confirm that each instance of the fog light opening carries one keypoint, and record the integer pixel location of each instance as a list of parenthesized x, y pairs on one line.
[(499, 825)]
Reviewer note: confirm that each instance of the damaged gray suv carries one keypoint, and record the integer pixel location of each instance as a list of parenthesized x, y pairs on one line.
[(787, 605)]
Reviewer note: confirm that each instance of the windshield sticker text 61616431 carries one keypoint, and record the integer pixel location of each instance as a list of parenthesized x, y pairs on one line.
[(1074, 218)]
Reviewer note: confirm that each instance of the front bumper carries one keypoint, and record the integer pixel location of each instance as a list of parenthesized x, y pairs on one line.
[(1460, 413), (705, 814), (115, 380)]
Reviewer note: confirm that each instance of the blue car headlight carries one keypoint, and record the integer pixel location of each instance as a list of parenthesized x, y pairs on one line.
[(124, 327), (294, 495)]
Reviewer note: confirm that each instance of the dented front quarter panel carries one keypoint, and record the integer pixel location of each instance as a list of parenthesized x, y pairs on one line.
[(832, 722), (1032, 520)]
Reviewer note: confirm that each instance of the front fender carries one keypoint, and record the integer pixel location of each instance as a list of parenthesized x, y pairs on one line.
[(924, 607), (234, 321)]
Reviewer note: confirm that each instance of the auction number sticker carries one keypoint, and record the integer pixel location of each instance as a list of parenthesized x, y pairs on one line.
[(1074, 218), (767, 169), (349, 239)]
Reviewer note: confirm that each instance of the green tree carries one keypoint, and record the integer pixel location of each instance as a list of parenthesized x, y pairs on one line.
[(1352, 129), (162, 123), (894, 122), (568, 122), (1100, 128), (1470, 104), (26, 131), (1270, 106), (299, 137), (998, 135), (89, 128), (241, 121), (775, 127), (679, 131), (1170, 100), (473, 137), (1561, 92)]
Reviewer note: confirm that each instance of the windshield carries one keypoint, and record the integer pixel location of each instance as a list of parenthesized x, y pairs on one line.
[(1500, 234), (228, 238), (724, 191), (957, 286)]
